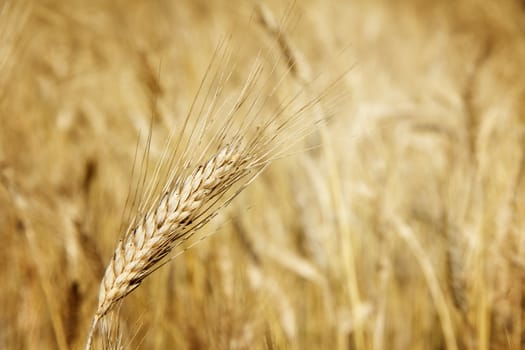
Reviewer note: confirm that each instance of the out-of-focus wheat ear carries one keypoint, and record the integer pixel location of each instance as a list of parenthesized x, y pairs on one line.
[(23, 206), (13, 17)]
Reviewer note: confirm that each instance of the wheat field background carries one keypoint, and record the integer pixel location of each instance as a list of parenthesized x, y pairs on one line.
[(398, 223)]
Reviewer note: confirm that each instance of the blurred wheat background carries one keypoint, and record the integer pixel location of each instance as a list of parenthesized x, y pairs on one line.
[(398, 224)]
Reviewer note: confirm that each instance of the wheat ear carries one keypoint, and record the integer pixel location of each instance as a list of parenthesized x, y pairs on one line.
[(179, 212), (246, 142)]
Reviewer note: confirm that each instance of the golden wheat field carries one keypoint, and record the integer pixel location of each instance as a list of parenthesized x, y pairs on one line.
[(226, 174)]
